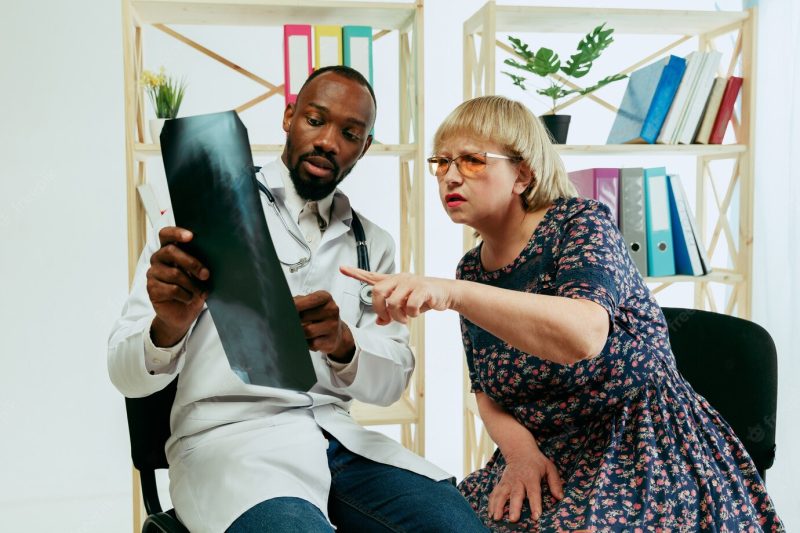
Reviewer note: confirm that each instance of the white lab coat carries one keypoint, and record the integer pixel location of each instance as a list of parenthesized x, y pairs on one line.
[(234, 445)]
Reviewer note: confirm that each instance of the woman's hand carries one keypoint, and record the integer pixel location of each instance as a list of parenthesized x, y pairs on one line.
[(401, 296), (522, 479)]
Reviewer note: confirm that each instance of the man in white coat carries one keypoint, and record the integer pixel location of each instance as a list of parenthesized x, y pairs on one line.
[(246, 458)]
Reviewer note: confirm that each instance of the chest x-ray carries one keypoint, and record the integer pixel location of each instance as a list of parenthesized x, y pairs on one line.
[(212, 187)]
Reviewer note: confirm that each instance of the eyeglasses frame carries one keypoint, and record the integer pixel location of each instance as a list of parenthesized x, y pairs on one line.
[(434, 159)]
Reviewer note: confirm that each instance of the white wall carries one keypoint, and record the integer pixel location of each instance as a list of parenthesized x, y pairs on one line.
[(63, 451), (63, 274), (776, 288)]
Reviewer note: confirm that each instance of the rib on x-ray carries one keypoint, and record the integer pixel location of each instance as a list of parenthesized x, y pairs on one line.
[(212, 186)]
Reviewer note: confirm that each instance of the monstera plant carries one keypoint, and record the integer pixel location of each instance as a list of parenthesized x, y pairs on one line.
[(546, 63)]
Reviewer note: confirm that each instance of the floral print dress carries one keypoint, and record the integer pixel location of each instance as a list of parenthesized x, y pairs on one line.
[(637, 448)]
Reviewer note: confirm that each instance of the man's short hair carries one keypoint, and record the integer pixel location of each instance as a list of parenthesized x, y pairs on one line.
[(345, 72)]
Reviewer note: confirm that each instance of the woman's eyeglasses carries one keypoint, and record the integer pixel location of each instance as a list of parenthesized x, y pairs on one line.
[(468, 165)]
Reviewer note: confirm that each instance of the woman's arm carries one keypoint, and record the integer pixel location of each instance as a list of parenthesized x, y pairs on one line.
[(559, 329), (526, 466), (513, 439)]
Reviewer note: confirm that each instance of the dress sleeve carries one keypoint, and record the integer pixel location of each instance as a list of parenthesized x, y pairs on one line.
[(590, 264), (474, 382), (466, 339)]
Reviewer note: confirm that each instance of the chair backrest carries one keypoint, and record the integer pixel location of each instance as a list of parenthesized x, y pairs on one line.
[(733, 363), (148, 427)]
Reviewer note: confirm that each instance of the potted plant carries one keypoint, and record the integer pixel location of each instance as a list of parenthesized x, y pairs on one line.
[(546, 63), (166, 95)]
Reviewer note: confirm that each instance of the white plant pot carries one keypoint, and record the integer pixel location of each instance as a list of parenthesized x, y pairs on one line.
[(155, 129)]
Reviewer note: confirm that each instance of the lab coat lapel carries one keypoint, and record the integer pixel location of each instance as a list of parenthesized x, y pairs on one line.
[(341, 219)]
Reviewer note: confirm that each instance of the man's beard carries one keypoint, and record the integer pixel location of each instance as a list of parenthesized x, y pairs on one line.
[(312, 189)]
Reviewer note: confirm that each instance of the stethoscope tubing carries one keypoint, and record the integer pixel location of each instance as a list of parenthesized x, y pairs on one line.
[(362, 252)]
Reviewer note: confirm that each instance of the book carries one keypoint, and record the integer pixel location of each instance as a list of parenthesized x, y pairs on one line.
[(357, 46), (687, 248), (696, 103), (678, 105), (601, 184), (725, 110), (632, 222), (660, 248), (150, 203), (710, 113), (327, 46), (296, 59), (647, 100)]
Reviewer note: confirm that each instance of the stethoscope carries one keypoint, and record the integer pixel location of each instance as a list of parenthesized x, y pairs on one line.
[(365, 293)]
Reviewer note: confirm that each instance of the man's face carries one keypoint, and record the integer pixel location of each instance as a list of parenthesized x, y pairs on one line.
[(327, 133)]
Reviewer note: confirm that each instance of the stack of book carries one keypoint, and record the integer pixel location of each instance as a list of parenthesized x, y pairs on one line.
[(676, 101), (333, 45), (653, 215)]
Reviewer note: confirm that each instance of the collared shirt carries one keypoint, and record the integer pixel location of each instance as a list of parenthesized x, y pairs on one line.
[(312, 217)]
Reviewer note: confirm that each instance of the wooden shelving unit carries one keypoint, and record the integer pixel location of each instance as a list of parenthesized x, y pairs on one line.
[(480, 47), (404, 18)]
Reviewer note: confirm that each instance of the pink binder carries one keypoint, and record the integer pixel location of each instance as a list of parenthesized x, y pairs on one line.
[(296, 58)]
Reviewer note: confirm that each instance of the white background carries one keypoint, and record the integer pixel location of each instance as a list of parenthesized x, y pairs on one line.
[(64, 454)]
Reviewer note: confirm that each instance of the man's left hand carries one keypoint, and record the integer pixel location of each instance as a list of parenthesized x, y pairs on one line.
[(324, 330)]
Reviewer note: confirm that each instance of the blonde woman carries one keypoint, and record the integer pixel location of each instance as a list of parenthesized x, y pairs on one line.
[(568, 352)]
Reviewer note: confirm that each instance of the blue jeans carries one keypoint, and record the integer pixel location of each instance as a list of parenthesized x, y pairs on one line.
[(369, 497)]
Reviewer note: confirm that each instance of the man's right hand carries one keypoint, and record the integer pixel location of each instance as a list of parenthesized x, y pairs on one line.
[(176, 287)]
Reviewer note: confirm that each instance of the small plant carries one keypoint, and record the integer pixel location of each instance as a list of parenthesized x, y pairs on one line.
[(545, 62), (165, 92)]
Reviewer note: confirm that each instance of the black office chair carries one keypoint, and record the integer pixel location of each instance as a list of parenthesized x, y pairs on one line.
[(733, 364), (148, 427)]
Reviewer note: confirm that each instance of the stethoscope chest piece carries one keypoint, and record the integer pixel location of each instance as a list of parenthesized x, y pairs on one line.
[(365, 294)]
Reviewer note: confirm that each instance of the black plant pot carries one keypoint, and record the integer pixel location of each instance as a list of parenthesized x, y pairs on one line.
[(557, 126)]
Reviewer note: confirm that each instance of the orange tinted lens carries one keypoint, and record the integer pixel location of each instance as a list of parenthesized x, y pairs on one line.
[(471, 164), (438, 165)]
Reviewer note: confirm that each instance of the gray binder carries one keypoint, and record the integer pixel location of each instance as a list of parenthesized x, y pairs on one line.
[(632, 215)]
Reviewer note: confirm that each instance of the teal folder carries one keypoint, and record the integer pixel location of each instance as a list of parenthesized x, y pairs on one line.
[(660, 248), (357, 49)]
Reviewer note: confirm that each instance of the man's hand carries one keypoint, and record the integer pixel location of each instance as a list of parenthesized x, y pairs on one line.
[(324, 330), (521, 479), (175, 285)]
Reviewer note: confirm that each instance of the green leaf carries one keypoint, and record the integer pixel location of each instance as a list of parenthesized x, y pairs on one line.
[(601, 83), (521, 48), (589, 49), (554, 92), (518, 80), (542, 63)]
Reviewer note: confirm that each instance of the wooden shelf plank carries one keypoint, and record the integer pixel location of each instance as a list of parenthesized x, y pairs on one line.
[(716, 150), (405, 151), (535, 19), (400, 412), (274, 12), (715, 276)]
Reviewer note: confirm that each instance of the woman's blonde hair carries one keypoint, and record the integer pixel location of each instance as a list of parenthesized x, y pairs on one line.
[(510, 124)]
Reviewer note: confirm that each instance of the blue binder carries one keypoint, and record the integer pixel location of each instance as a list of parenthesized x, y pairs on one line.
[(647, 100), (660, 248), (687, 250)]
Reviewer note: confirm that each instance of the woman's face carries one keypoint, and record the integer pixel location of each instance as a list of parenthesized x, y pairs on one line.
[(481, 198)]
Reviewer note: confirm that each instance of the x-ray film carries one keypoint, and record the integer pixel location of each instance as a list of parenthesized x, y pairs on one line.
[(213, 190)]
